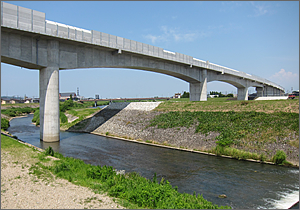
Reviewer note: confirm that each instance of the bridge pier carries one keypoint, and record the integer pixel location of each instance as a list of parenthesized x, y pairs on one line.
[(259, 91), (49, 96), (198, 91), (242, 94)]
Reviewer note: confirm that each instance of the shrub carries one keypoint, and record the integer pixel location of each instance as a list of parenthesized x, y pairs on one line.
[(63, 117), (279, 157), (262, 158), (185, 95), (49, 151), (36, 117), (12, 112), (219, 150), (4, 123)]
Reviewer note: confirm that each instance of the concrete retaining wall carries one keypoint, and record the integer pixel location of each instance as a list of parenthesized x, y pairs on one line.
[(272, 98), (141, 106)]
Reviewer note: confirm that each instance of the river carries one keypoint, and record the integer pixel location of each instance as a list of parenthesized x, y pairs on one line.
[(247, 185)]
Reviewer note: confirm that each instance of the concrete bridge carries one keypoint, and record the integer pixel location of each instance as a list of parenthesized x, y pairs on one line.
[(29, 40)]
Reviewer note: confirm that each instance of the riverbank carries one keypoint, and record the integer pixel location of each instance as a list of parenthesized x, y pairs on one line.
[(129, 189), (131, 121), (22, 188)]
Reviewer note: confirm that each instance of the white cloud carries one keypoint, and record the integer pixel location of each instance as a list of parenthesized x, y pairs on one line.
[(174, 34), (152, 38), (259, 9), (286, 79), (227, 6)]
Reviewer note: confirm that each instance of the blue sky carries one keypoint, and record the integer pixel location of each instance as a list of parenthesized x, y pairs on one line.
[(259, 38)]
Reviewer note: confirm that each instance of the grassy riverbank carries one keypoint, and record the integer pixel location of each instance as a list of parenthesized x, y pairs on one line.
[(247, 129), (225, 105), (130, 189)]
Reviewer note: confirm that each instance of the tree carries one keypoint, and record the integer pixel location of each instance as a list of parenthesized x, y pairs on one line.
[(4, 123), (185, 95)]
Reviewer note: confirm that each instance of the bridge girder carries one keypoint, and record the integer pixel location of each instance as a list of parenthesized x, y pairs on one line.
[(49, 54)]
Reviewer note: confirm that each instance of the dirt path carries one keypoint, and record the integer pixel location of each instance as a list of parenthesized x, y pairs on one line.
[(22, 190)]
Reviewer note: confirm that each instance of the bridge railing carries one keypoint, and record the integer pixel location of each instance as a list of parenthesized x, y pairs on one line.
[(21, 18)]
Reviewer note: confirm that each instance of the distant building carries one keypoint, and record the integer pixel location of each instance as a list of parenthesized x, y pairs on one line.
[(36, 100), (96, 96), (5, 101), (15, 101), (66, 96), (177, 95), (12, 100), (27, 100)]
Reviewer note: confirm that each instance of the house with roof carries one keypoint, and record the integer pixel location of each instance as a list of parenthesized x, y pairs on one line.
[(5, 101), (66, 96)]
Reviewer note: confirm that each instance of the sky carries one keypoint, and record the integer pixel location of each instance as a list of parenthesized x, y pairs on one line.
[(257, 37)]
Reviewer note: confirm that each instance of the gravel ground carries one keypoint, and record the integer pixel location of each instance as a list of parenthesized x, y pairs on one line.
[(21, 190)]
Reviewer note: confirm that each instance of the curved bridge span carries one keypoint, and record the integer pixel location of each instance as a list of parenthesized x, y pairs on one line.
[(29, 40)]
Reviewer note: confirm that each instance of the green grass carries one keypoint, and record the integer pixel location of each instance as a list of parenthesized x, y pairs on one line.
[(20, 105), (7, 142), (4, 123), (74, 108), (237, 153), (222, 104), (82, 114), (133, 190), (233, 127), (100, 103), (18, 111)]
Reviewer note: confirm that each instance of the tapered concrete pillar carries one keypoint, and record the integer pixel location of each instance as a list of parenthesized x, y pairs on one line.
[(49, 104), (242, 94), (195, 91), (49, 96), (198, 91)]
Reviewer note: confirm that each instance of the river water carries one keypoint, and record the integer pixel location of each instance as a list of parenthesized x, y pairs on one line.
[(247, 185)]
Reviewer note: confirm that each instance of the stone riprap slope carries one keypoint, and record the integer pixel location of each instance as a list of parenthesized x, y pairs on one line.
[(130, 119), (90, 124)]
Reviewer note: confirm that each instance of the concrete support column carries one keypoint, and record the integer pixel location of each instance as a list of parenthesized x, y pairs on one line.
[(259, 91), (195, 91), (49, 96), (269, 91), (198, 91), (242, 94)]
